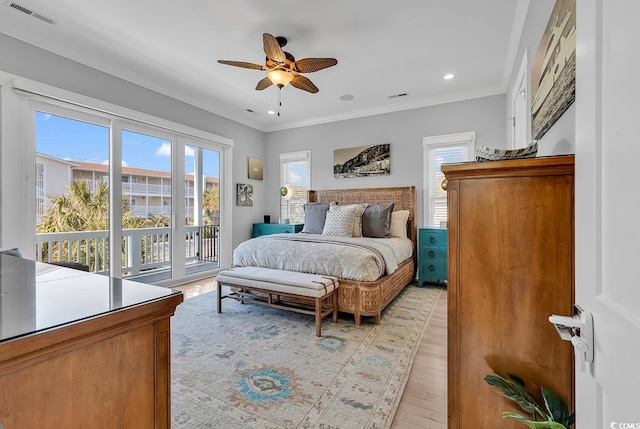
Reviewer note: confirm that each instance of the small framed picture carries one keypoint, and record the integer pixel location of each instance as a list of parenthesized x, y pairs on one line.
[(255, 168), (244, 195)]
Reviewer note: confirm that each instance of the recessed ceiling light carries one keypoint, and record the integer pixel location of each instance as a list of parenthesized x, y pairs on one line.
[(448, 76), (271, 112), (347, 97)]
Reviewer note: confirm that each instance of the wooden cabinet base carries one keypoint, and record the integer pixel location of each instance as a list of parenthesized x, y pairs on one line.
[(510, 267), (110, 371)]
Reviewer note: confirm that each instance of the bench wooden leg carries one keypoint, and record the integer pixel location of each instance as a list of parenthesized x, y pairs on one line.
[(335, 306), (318, 316)]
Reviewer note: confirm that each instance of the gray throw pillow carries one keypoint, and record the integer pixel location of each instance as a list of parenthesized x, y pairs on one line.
[(315, 215), (11, 252), (376, 220)]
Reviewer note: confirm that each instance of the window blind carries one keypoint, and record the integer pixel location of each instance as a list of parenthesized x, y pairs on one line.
[(438, 155)]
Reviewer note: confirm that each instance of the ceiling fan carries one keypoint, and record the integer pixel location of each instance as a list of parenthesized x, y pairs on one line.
[(283, 67)]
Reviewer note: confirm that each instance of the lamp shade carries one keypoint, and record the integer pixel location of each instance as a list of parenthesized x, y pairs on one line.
[(280, 78), (286, 192)]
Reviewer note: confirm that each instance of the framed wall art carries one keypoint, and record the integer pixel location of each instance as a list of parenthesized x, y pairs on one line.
[(553, 71), (255, 168), (362, 161), (244, 195)]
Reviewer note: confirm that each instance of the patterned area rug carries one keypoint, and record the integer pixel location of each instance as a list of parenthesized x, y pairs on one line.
[(257, 367)]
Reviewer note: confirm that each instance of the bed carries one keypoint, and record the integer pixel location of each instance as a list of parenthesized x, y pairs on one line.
[(365, 295)]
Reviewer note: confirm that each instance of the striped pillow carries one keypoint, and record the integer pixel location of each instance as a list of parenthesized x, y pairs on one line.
[(339, 223)]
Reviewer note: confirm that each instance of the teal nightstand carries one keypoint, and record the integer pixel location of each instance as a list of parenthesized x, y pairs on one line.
[(275, 228), (432, 255)]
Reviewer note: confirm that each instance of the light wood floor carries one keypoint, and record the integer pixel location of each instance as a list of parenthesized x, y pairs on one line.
[(424, 402)]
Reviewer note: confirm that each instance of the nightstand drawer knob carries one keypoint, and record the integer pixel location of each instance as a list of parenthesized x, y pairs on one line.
[(432, 239), (432, 253), (432, 267)]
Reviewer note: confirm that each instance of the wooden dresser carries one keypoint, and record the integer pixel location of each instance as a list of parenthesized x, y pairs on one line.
[(511, 253), (81, 350)]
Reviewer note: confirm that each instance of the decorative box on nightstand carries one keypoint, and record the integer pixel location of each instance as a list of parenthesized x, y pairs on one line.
[(432, 255), (275, 228)]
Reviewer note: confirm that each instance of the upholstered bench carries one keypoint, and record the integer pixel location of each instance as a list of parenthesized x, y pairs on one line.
[(299, 292)]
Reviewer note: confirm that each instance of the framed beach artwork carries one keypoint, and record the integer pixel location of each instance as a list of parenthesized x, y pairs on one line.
[(553, 72), (244, 195), (362, 161)]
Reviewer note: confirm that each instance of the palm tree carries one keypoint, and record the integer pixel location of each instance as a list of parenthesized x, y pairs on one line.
[(211, 201), (157, 221), (80, 209)]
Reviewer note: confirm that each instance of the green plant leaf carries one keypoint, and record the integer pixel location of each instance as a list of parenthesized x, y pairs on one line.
[(514, 390), (532, 424), (557, 408), (516, 379)]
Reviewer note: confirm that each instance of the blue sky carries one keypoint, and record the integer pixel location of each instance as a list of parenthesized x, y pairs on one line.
[(80, 141)]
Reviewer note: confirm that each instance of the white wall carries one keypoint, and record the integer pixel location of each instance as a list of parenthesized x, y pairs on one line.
[(28, 61), (560, 139), (404, 130)]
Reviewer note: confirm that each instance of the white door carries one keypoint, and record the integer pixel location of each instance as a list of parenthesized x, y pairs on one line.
[(608, 210), (520, 108)]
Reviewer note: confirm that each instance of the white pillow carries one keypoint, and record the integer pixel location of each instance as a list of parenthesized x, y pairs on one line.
[(358, 210), (339, 223), (399, 219)]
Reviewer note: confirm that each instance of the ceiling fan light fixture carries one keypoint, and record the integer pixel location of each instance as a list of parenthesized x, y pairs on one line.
[(280, 78)]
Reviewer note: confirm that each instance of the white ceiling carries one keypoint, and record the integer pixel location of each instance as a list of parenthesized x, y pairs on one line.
[(383, 48)]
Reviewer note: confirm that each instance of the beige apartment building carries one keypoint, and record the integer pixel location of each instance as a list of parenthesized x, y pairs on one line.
[(148, 191)]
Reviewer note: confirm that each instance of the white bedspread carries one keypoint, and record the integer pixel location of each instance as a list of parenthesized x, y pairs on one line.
[(360, 259)]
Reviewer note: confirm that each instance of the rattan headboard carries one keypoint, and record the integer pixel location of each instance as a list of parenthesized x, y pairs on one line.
[(404, 197)]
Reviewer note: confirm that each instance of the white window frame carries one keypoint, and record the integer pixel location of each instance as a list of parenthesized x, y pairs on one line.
[(286, 157), (20, 97), (442, 141)]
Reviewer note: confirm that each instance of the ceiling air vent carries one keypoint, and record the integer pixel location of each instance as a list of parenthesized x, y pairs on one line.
[(404, 94), (32, 13)]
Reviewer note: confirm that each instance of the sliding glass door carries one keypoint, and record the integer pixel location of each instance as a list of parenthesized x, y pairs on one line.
[(202, 208), (154, 193), (72, 195), (147, 203)]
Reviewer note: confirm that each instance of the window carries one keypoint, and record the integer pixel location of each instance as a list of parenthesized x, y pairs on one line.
[(440, 150), (72, 143), (295, 170)]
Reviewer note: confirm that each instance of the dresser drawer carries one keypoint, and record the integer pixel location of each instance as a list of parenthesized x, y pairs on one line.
[(431, 238), (431, 253), (260, 229)]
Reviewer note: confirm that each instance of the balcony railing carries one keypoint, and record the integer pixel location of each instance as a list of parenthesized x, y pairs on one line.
[(140, 189), (143, 249)]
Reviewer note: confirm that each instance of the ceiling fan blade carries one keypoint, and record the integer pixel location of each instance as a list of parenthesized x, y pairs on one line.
[(264, 83), (242, 64), (272, 48), (303, 83), (308, 65)]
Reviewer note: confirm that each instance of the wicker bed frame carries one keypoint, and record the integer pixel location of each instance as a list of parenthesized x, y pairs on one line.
[(370, 298)]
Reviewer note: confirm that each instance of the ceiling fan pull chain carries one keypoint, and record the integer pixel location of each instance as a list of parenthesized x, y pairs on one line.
[(279, 99)]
